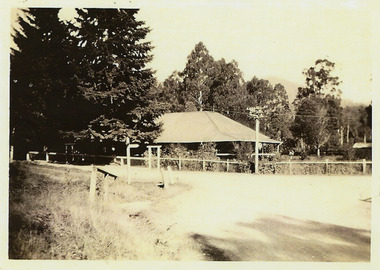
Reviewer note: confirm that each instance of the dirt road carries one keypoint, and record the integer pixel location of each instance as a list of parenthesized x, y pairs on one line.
[(275, 218), (244, 217)]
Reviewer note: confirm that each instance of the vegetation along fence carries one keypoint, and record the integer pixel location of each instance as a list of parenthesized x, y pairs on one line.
[(317, 167), (282, 167)]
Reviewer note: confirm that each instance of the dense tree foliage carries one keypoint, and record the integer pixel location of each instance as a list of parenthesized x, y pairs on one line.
[(217, 85), (82, 79), (111, 68), (356, 124), (274, 106), (43, 89), (204, 84)]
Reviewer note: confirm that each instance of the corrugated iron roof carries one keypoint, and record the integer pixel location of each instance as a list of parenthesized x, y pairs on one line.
[(204, 126)]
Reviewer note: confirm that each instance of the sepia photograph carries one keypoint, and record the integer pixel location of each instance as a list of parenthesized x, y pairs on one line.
[(190, 131)]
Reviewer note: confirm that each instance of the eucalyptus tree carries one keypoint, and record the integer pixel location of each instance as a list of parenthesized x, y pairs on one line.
[(318, 105)]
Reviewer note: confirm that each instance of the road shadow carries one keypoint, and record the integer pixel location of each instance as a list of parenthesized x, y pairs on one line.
[(280, 238)]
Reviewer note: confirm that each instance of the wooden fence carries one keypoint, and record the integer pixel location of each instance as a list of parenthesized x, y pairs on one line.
[(281, 167), (183, 163), (325, 166)]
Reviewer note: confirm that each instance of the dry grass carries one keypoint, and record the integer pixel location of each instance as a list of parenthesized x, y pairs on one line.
[(50, 218)]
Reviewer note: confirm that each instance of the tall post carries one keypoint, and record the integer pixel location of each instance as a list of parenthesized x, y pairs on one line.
[(348, 133), (127, 143), (150, 157), (158, 157), (257, 146)]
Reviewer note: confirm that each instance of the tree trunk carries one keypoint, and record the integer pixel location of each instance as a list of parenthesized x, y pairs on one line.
[(318, 151)]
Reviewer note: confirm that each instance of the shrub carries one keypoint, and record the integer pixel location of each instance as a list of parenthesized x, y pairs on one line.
[(303, 155)]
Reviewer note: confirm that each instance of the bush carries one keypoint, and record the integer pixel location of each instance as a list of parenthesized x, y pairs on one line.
[(348, 153), (303, 155)]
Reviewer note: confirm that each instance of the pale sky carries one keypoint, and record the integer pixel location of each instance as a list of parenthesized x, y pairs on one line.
[(267, 38)]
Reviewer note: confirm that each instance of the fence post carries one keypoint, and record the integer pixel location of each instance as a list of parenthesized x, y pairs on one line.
[(227, 165), (170, 175), (364, 166), (290, 167), (327, 166), (164, 181), (179, 163), (27, 157), (105, 185), (47, 157), (128, 164), (92, 184), (204, 165)]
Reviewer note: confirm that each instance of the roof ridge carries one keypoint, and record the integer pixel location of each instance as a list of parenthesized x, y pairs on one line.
[(226, 134), (212, 121)]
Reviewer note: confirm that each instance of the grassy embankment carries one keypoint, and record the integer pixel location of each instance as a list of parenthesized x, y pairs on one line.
[(50, 218)]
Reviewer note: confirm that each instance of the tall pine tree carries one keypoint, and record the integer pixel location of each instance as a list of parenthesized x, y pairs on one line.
[(43, 95), (112, 73)]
